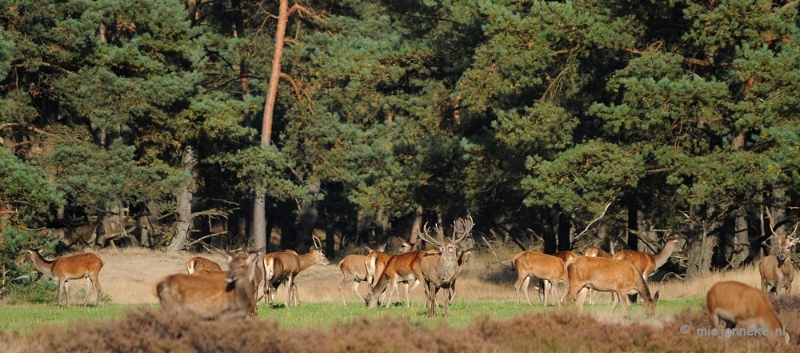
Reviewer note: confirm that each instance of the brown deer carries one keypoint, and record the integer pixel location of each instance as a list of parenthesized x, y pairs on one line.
[(607, 275), (399, 268), (565, 255), (440, 267), (648, 263), (354, 271), (284, 266), (540, 266), (201, 263), (596, 252), (777, 271), (259, 273), (212, 297), (736, 304), (66, 268), (375, 263)]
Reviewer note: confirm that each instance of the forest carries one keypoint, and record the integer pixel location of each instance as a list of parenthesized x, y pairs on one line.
[(204, 124)]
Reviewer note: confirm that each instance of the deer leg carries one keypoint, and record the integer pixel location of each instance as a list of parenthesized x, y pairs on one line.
[(408, 296), (580, 297), (287, 292), (546, 284), (518, 285), (452, 292), (98, 289), (392, 289), (89, 291)]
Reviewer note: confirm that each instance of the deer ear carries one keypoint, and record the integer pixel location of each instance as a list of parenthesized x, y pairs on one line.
[(382, 248)]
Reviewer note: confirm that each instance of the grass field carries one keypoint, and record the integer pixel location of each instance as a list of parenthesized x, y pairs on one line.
[(22, 319)]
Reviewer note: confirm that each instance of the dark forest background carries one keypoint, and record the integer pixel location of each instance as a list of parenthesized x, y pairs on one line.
[(206, 124)]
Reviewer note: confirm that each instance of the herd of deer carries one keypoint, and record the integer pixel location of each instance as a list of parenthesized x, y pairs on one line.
[(210, 292)]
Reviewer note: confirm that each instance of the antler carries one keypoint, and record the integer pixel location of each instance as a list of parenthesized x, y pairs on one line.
[(426, 237), (467, 228)]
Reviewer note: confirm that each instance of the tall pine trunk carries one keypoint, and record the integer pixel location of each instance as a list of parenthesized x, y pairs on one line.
[(184, 198)]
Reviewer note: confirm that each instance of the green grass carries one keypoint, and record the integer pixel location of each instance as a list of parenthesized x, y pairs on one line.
[(23, 319)]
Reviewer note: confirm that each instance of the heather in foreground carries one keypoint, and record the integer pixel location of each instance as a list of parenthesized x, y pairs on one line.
[(150, 330)]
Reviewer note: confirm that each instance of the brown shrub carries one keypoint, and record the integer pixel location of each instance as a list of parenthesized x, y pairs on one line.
[(150, 330)]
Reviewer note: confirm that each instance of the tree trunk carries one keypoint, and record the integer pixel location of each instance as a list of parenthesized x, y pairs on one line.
[(259, 213), (564, 232), (550, 233), (309, 213), (184, 198), (633, 224), (416, 226)]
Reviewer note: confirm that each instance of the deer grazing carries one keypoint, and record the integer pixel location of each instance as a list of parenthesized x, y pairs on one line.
[(648, 263), (66, 268), (201, 263), (736, 304), (607, 275), (596, 252), (354, 271), (547, 268), (212, 297), (283, 267), (440, 267), (399, 268), (358, 268), (777, 271)]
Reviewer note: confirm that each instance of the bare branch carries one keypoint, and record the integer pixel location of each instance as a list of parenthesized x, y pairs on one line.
[(595, 220)]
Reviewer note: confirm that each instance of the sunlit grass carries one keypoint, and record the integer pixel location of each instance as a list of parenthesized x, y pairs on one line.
[(23, 319)]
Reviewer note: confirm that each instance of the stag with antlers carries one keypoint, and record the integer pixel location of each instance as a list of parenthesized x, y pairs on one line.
[(777, 271), (440, 266)]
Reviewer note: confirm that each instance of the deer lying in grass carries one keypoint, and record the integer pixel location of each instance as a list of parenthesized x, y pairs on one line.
[(211, 297), (283, 267), (736, 304), (547, 268), (777, 271), (596, 252), (66, 268), (607, 275), (201, 263), (440, 267)]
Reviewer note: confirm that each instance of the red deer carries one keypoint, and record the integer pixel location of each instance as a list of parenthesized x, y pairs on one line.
[(211, 297), (354, 271), (376, 261), (565, 255), (462, 261), (541, 266), (777, 271), (201, 263), (648, 263), (283, 267), (608, 275), (221, 274), (399, 268), (66, 268), (440, 267), (596, 252), (736, 304)]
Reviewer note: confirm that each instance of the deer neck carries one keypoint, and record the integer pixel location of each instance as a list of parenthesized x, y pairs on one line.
[(306, 260), (663, 256), (41, 264)]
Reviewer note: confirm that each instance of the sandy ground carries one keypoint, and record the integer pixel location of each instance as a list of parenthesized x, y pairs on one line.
[(129, 275)]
